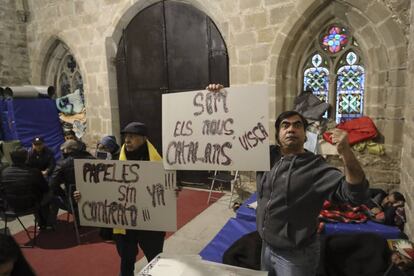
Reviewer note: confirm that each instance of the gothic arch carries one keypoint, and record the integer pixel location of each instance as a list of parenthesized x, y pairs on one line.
[(43, 58), (112, 42), (381, 41), (56, 54)]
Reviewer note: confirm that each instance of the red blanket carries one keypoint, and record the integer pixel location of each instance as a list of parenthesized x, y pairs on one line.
[(360, 129)]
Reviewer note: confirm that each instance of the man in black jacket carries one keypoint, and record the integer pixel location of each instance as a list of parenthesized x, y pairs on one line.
[(24, 187), (64, 173), (41, 157), (137, 147)]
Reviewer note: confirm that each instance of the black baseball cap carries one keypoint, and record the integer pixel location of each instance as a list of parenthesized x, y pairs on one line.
[(37, 140)]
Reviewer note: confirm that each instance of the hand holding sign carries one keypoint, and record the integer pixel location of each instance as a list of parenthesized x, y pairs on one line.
[(214, 87), (126, 194)]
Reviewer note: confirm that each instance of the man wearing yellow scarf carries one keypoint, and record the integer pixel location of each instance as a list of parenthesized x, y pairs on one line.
[(137, 147)]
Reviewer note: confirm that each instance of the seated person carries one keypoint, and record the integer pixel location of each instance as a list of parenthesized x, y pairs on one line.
[(41, 157), (107, 145), (107, 149), (70, 135), (388, 209), (24, 187), (64, 174), (12, 261)]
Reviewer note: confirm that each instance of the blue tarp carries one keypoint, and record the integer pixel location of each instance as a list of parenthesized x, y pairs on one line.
[(385, 231), (245, 212), (23, 119), (388, 232), (233, 230), (245, 222)]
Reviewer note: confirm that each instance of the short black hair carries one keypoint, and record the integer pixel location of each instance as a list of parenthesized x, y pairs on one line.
[(288, 114), (19, 155), (398, 196), (69, 132), (9, 249)]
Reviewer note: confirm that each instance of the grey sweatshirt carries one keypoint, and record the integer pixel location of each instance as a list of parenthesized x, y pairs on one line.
[(290, 197)]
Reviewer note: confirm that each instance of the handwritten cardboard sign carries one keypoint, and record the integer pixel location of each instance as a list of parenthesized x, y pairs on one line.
[(225, 130), (126, 194)]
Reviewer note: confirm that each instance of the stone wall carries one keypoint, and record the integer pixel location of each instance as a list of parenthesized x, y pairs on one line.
[(265, 39), (14, 61), (381, 171), (407, 156)]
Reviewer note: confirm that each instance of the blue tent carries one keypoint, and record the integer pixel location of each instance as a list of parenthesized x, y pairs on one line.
[(24, 118)]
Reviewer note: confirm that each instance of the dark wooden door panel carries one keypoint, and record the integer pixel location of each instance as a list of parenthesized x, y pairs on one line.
[(187, 52), (218, 58), (146, 106), (168, 47), (146, 64), (125, 113)]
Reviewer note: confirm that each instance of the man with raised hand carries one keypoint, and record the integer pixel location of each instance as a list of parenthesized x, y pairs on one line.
[(290, 195)]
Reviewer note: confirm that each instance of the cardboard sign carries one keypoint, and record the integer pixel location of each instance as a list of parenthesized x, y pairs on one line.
[(226, 130), (126, 194)]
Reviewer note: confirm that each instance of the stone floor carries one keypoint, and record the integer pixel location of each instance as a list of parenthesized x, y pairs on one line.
[(196, 234)]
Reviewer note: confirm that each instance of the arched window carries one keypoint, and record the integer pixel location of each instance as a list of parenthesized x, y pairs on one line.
[(62, 70), (349, 88), (69, 76), (334, 72), (316, 77)]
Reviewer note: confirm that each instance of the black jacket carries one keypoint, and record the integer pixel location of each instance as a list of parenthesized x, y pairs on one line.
[(44, 160), (64, 172), (22, 186)]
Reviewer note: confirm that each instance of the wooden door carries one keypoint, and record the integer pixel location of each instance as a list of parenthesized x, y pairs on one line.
[(167, 47)]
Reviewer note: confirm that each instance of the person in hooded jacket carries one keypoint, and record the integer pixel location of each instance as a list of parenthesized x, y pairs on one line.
[(107, 145), (107, 149), (290, 196)]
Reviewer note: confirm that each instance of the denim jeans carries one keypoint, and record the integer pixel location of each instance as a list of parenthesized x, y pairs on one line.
[(291, 262)]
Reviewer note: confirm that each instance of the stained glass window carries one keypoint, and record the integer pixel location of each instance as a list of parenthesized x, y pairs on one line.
[(335, 40), (334, 72), (316, 77), (350, 89), (70, 77)]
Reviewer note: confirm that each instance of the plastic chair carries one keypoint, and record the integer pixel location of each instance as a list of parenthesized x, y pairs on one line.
[(221, 178)]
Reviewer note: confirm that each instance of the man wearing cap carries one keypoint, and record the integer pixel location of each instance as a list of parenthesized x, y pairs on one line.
[(41, 157), (137, 147), (64, 173)]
